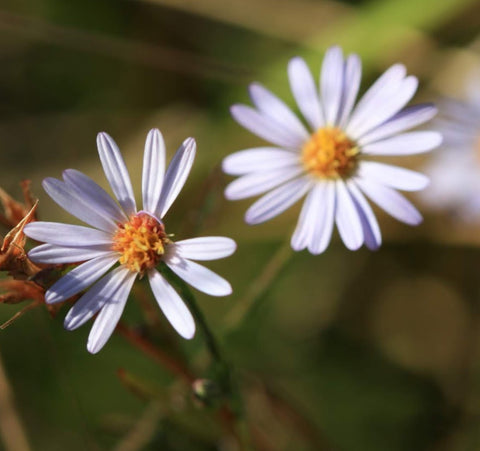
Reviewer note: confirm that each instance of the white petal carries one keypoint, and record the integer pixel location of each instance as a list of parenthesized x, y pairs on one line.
[(385, 86), (116, 172), (323, 228), (305, 92), (176, 176), (393, 176), (205, 248), (93, 194), (386, 107), (264, 127), (96, 297), (371, 230), (408, 118), (353, 76), (69, 200), (172, 305), (66, 234), (347, 218), (404, 144), (199, 277), (277, 201), (271, 106), (331, 83), (392, 202), (80, 278), (109, 316), (260, 182), (153, 169), (56, 255), (258, 159)]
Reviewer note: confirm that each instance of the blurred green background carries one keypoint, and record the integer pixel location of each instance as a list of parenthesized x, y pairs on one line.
[(367, 351)]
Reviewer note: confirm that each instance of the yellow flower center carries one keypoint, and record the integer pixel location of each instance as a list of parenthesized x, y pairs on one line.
[(330, 153), (141, 242)]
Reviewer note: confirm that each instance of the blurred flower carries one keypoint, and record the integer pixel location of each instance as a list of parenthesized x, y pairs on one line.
[(135, 239), (455, 170), (330, 163)]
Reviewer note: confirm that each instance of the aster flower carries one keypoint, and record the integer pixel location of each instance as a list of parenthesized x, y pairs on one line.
[(135, 241), (455, 170), (331, 160)]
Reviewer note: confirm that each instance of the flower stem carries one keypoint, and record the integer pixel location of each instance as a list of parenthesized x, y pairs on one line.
[(259, 286)]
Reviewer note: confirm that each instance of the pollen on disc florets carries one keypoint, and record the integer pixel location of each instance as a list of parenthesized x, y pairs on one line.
[(141, 242), (330, 153)]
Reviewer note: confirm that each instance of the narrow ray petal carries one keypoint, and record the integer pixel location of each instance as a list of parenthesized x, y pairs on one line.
[(271, 106), (80, 278), (392, 176), (176, 176), (260, 182), (331, 84), (258, 159), (198, 276), (153, 169), (109, 316), (56, 255), (93, 194), (116, 172), (277, 201), (347, 218), (391, 201), (305, 92), (172, 305), (69, 200), (405, 144), (353, 76), (95, 298), (205, 248), (323, 229), (66, 234)]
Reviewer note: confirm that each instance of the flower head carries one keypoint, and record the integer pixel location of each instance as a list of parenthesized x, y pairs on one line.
[(135, 241), (330, 161)]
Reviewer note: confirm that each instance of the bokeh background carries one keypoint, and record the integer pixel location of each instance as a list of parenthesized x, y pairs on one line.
[(342, 351)]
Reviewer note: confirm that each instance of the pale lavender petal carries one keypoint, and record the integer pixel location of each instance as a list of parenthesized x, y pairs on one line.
[(172, 305), (109, 316), (386, 107), (404, 144), (408, 118), (66, 234), (371, 230), (264, 127), (331, 83), (305, 92), (199, 277), (205, 248), (323, 228), (176, 176), (70, 201), (96, 297), (391, 201), (93, 194), (153, 169), (116, 172), (347, 218), (393, 176), (258, 159), (56, 255), (353, 76), (80, 278), (271, 106), (385, 86), (260, 182), (277, 201)]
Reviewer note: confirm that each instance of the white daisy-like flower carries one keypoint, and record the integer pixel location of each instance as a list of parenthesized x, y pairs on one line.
[(455, 169), (134, 240), (330, 161)]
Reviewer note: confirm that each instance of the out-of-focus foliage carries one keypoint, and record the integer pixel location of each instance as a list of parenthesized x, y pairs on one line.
[(371, 351)]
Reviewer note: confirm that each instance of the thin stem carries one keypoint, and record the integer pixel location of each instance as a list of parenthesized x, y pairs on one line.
[(259, 286)]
